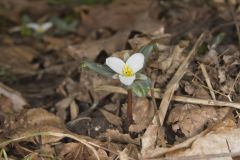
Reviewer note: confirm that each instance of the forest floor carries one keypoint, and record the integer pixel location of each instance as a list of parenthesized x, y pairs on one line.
[(53, 108)]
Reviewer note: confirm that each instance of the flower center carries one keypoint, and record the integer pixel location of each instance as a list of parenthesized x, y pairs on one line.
[(127, 71), (40, 29)]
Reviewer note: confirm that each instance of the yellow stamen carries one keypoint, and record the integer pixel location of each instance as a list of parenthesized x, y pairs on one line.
[(127, 71)]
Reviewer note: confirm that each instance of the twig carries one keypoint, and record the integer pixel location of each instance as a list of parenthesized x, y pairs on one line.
[(129, 107), (207, 79), (206, 102), (158, 95), (235, 81)]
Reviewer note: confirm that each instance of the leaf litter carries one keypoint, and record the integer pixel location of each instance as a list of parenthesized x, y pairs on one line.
[(56, 109)]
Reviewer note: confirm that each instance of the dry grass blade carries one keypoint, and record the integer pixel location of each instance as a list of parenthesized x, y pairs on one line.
[(56, 134), (207, 79), (206, 102), (172, 85)]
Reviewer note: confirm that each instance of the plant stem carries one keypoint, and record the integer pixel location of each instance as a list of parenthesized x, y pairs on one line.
[(129, 107)]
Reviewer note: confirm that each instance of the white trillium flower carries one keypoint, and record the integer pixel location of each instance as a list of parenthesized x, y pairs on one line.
[(126, 71), (40, 28)]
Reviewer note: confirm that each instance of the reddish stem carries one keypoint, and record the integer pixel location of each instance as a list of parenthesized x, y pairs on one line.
[(129, 107)]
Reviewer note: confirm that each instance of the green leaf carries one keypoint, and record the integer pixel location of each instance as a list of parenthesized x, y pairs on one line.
[(141, 87), (203, 49), (218, 39), (147, 50), (99, 68), (65, 25)]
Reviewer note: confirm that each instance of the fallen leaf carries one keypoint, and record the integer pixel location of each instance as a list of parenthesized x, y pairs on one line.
[(213, 143), (116, 136), (74, 110), (18, 102), (190, 119), (111, 118), (30, 122), (149, 139), (143, 113), (18, 59)]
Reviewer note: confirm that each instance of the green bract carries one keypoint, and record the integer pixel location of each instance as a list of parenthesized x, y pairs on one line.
[(147, 50), (141, 87), (99, 68)]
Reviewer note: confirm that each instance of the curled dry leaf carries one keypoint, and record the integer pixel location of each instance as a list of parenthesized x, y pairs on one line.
[(116, 136), (143, 113), (111, 118), (17, 101), (188, 88), (213, 143), (74, 110), (91, 49), (35, 121), (221, 75), (74, 151), (211, 57), (88, 82), (123, 154), (183, 149), (149, 140), (190, 119), (17, 59)]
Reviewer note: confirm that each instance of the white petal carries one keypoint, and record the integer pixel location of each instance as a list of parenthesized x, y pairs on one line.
[(47, 26), (116, 64), (127, 80), (33, 26), (136, 62)]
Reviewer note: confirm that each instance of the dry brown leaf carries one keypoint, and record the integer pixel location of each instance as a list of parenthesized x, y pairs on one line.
[(149, 139), (6, 105), (17, 59), (211, 57), (213, 143), (221, 75), (172, 61), (101, 153), (17, 101), (35, 121), (64, 103), (188, 88), (227, 125), (91, 49), (111, 118), (116, 136), (123, 154), (202, 93), (88, 82), (71, 151), (120, 15), (14, 8), (143, 113), (190, 119), (74, 110)]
